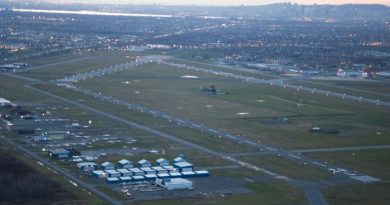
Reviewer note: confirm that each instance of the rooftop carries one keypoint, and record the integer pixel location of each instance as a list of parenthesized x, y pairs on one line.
[(183, 164), (60, 151)]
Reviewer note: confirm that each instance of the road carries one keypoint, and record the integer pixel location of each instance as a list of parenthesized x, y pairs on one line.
[(64, 173)]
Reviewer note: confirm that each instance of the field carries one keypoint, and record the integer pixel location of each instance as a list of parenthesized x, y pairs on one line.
[(264, 105), (264, 113)]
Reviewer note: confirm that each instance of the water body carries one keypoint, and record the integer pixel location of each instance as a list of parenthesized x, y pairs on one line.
[(101, 13), (97, 13)]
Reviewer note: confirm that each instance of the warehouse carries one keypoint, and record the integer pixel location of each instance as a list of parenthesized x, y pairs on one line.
[(170, 169), (100, 174), (160, 170), (87, 166), (202, 173), (148, 170), (113, 173), (108, 166), (59, 153), (144, 163), (179, 159), (150, 176), (174, 184), (124, 172), (184, 166), (136, 172), (126, 179), (125, 164), (4, 102), (112, 180), (162, 162)]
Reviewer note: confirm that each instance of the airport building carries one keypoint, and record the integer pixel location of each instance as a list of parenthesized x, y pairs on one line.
[(108, 166), (174, 184), (87, 166), (144, 163), (125, 164), (59, 153), (184, 166), (162, 162), (4, 102)]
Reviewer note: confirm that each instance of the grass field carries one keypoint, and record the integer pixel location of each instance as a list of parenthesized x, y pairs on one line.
[(185, 133), (372, 162), (160, 87)]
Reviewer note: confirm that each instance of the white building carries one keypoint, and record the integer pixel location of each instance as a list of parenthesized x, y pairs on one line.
[(174, 183), (4, 102)]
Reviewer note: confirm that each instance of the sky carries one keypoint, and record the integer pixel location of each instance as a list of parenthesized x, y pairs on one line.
[(231, 2)]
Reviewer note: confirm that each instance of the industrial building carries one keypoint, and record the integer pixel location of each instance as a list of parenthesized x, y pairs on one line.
[(174, 184), (144, 163), (179, 170), (162, 162), (113, 173), (184, 166), (59, 153), (137, 172), (87, 166), (179, 159), (4, 102), (108, 166), (125, 164)]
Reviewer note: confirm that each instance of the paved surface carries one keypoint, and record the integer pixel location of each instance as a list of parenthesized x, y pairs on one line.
[(337, 149)]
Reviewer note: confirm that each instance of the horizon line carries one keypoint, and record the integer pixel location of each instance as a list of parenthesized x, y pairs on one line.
[(189, 4)]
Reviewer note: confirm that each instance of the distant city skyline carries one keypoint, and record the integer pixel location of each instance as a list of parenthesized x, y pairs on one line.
[(227, 2)]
